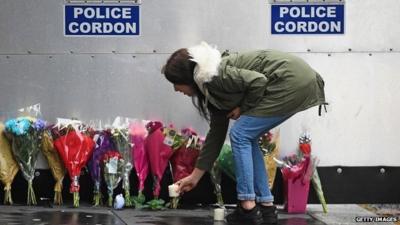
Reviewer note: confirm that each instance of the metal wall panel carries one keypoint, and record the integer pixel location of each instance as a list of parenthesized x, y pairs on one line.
[(362, 90), (37, 26), (361, 126), (93, 87)]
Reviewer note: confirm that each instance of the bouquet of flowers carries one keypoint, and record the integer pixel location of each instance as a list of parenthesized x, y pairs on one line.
[(8, 166), (103, 143), (305, 148), (75, 145), (184, 159), (113, 166), (270, 145), (296, 167), (160, 145), (120, 138), (138, 133), (25, 134), (296, 173), (56, 166)]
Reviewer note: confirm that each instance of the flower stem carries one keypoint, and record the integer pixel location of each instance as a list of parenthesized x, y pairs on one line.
[(110, 198), (96, 199), (128, 201), (7, 197), (58, 198), (7, 194), (174, 202), (31, 194), (57, 193), (76, 199), (220, 200)]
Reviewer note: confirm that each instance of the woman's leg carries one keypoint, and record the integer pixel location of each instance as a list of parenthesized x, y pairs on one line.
[(261, 187), (241, 142), (251, 177)]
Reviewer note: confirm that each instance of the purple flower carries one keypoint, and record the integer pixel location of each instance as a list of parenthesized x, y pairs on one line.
[(39, 125)]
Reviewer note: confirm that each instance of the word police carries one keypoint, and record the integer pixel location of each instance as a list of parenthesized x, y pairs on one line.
[(107, 13), (101, 20)]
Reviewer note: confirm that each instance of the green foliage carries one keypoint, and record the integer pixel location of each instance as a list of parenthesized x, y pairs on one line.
[(156, 204)]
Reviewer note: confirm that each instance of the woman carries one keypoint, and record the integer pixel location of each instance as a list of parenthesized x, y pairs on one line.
[(259, 89)]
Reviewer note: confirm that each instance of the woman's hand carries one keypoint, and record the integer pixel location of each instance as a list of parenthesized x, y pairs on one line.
[(234, 114), (188, 183)]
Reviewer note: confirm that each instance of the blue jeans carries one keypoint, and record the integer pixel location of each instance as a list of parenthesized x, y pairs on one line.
[(251, 175)]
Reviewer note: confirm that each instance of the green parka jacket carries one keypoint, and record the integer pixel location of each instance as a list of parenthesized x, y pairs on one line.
[(262, 83)]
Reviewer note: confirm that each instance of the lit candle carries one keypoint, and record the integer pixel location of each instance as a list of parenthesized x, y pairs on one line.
[(172, 189), (219, 214)]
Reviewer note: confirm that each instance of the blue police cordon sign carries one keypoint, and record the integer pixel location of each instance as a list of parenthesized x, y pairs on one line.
[(101, 20), (307, 19)]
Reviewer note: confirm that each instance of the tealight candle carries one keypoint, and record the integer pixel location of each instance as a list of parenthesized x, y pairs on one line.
[(219, 214), (172, 190)]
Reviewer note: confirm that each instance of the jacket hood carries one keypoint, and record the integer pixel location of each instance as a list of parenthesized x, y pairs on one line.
[(208, 59)]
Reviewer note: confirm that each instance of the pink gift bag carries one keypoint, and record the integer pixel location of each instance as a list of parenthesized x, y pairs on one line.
[(296, 195), (296, 186)]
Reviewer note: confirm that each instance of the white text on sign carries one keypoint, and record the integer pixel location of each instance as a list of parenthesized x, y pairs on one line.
[(307, 19)]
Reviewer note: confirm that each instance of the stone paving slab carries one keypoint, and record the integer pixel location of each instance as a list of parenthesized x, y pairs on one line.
[(36, 215), (344, 214), (199, 216), (85, 214), (196, 215)]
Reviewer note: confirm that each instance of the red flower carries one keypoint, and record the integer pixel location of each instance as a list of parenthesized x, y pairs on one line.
[(305, 148)]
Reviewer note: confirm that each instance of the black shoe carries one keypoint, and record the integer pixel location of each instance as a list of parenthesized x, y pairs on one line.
[(245, 217), (269, 214)]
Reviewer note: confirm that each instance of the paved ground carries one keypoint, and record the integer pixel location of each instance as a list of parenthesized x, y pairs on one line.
[(39, 215), (346, 215)]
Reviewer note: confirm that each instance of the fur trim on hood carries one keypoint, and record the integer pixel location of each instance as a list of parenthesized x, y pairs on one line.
[(208, 59)]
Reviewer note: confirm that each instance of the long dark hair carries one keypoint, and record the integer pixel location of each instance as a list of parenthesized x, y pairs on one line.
[(179, 69)]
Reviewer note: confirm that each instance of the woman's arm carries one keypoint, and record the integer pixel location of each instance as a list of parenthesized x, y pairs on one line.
[(214, 140), (210, 151)]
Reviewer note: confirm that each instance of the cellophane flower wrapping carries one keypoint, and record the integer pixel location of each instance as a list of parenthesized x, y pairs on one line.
[(55, 164), (74, 143), (223, 164), (298, 167), (113, 168), (225, 161), (121, 140), (138, 133), (25, 134), (8, 166), (160, 144), (305, 149), (103, 143), (215, 175), (270, 146), (184, 158)]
